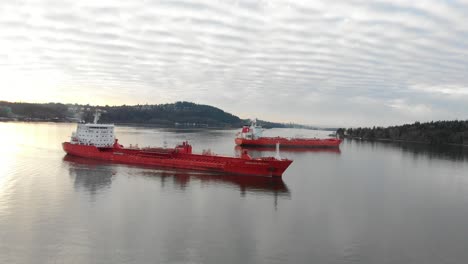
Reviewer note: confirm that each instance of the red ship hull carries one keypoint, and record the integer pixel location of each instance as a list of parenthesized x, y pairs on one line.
[(290, 143), (255, 149), (254, 184), (173, 158)]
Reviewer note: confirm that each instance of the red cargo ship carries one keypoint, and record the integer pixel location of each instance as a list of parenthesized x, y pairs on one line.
[(252, 136), (97, 141), (83, 176)]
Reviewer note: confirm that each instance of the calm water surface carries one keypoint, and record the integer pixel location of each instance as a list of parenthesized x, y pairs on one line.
[(367, 203)]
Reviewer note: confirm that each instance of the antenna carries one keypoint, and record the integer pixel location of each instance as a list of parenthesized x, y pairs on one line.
[(97, 114), (277, 156), (254, 122)]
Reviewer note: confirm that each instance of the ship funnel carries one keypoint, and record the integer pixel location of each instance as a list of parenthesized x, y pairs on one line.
[(277, 156)]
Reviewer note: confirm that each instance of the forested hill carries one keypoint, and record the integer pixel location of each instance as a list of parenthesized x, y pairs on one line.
[(180, 113), (185, 114), (435, 133)]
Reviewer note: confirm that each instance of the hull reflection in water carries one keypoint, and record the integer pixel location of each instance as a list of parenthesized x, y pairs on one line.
[(95, 174), (257, 151), (244, 183), (90, 174)]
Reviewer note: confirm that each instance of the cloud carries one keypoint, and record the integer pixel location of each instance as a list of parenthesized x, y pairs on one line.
[(335, 63), (443, 89)]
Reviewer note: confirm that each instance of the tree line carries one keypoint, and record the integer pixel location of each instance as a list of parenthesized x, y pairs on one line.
[(33, 111), (434, 133), (174, 114)]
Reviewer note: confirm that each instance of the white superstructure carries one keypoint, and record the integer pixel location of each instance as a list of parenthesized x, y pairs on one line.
[(99, 135), (251, 132)]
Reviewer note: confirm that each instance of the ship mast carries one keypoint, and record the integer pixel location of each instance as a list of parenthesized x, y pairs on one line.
[(97, 114), (277, 156)]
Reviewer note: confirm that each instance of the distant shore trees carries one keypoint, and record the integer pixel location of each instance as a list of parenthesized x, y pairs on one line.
[(184, 114), (434, 133)]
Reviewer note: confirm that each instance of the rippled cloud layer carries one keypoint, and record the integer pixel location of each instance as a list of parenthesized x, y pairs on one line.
[(317, 62)]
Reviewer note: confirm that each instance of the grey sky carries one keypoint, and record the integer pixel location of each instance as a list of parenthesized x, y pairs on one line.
[(346, 63)]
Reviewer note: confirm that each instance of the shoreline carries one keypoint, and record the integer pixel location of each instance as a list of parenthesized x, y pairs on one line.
[(13, 120), (407, 141), (121, 124)]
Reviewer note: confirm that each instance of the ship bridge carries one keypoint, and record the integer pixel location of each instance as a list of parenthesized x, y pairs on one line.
[(99, 135)]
